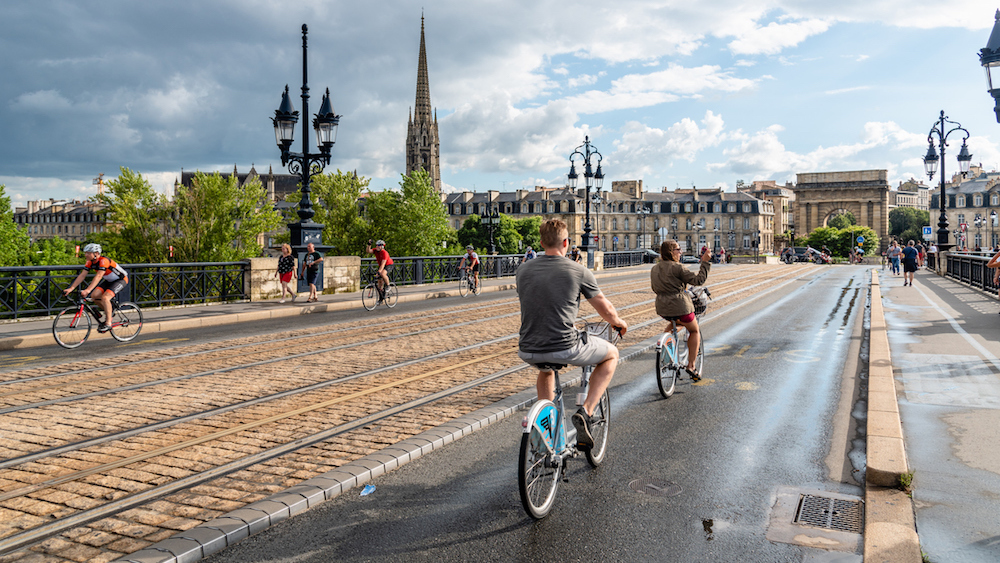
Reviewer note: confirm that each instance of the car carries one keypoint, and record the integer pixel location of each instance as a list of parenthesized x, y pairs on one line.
[(690, 259), (799, 254), (649, 257)]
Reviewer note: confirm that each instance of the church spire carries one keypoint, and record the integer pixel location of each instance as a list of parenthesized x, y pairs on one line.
[(422, 110), (422, 143)]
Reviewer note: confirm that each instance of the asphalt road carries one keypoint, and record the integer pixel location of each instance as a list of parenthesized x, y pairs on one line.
[(774, 411)]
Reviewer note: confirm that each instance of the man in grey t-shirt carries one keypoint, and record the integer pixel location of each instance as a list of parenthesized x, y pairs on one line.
[(549, 289)]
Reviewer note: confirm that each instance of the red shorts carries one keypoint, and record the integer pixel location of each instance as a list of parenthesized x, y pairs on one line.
[(286, 277), (683, 320)]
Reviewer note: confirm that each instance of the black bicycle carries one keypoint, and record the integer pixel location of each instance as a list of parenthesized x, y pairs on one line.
[(72, 325)]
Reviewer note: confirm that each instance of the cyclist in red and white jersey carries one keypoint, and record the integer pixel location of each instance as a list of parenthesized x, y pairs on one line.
[(109, 280)]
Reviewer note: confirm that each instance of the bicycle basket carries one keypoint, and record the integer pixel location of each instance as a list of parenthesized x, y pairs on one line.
[(700, 296)]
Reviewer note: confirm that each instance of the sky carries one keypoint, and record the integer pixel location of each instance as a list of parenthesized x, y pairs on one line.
[(672, 92)]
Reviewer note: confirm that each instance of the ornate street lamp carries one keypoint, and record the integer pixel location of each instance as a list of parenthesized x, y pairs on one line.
[(305, 164), (931, 161), (591, 179), (993, 223), (978, 221), (642, 213), (597, 199), (989, 57), (491, 219)]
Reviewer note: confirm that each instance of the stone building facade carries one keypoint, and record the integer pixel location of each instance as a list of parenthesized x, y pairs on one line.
[(423, 150), (973, 202), (628, 218), (821, 195), (68, 220)]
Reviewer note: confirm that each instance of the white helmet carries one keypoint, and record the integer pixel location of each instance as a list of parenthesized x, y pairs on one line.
[(380, 243), (92, 247)]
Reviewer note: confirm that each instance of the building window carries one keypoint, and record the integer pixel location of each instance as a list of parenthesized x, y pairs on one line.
[(994, 199), (732, 208), (746, 223), (979, 200), (746, 241), (732, 223), (688, 224), (626, 224), (701, 207), (674, 208), (961, 218), (746, 208), (960, 201), (687, 207), (718, 222), (614, 224)]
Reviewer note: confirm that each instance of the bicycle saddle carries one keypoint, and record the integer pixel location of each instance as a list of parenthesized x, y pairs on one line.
[(550, 367)]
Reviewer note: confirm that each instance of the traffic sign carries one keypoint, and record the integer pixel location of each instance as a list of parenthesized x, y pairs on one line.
[(861, 240), (927, 232)]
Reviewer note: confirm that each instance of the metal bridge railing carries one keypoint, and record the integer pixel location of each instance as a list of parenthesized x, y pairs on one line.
[(971, 268), (29, 291), (414, 270), (623, 258)]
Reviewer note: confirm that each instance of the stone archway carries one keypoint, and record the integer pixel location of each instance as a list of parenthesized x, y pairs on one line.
[(864, 193), (833, 213)]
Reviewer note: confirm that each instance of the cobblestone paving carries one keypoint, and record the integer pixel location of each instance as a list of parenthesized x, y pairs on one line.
[(347, 378)]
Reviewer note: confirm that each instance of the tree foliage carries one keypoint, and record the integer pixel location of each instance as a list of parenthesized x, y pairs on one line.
[(54, 252), (906, 223), (505, 236), (412, 221), (840, 241), (13, 241), (138, 214), (218, 220), (842, 221), (335, 201)]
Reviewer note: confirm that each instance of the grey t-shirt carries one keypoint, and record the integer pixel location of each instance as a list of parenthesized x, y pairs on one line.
[(549, 289)]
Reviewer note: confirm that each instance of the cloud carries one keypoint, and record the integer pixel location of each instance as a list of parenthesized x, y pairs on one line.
[(41, 101), (775, 37), (582, 80), (642, 150), (847, 90)]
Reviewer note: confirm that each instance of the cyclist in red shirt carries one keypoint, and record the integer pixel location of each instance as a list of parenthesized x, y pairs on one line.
[(384, 262), (109, 280)]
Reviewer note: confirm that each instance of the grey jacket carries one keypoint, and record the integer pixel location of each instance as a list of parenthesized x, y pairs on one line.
[(669, 280)]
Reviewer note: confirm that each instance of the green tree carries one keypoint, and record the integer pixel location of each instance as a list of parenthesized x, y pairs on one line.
[(903, 219), (840, 241), (527, 228), (842, 221), (335, 201), (13, 241), (54, 252), (217, 220), (138, 216), (412, 221), (505, 236)]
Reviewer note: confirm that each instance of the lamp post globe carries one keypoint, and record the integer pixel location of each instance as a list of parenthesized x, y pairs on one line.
[(989, 58)]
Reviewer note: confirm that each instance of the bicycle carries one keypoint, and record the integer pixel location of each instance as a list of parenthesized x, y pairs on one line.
[(71, 327), (371, 296), (672, 353), (549, 439), (467, 283)]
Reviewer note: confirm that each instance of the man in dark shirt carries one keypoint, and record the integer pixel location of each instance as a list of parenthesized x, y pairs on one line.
[(549, 289), (909, 263)]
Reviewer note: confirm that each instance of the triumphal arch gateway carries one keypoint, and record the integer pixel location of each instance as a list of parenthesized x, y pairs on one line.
[(819, 196)]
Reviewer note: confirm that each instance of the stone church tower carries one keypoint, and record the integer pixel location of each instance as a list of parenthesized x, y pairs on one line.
[(422, 143)]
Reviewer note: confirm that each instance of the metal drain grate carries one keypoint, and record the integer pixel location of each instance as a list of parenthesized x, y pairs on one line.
[(655, 487), (830, 513)]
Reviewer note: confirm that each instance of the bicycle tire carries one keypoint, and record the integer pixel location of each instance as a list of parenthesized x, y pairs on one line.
[(391, 296), (537, 483), (666, 375), (126, 322), (369, 296), (70, 329), (595, 455), (463, 285)]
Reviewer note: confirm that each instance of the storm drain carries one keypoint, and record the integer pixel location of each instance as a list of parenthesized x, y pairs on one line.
[(655, 487), (830, 513)]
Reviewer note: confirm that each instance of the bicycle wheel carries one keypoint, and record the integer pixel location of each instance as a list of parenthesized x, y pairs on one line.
[(71, 327), (682, 357), (666, 375), (599, 431), (369, 296), (126, 323), (391, 296), (537, 480), (463, 285)]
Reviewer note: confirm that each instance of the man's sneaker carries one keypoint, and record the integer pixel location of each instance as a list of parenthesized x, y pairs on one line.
[(102, 327), (582, 421)]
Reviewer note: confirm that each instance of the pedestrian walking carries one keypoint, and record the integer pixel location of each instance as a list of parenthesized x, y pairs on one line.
[(921, 254), (286, 271), (994, 264), (895, 253), (909, 263), (310, 270)]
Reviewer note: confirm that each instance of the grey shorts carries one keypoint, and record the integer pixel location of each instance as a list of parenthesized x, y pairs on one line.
[(588, 353)]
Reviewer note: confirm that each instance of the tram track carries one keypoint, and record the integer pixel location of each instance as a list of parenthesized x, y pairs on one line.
[(371, 389)]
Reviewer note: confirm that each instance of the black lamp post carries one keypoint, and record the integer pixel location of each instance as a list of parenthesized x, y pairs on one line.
[(491, 219), (597, 199), (305, 164), (993, 223), (978, 221), (590, 179), (931, 161), (989, 57), (642, 226)]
